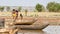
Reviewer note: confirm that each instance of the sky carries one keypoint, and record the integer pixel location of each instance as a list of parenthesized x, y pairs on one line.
[(25, 2)]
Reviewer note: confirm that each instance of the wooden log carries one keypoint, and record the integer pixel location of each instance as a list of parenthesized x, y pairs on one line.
[(2, 22)]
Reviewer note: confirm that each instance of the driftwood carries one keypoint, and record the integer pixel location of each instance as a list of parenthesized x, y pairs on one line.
[(31, 27), (35, 25), (2, 22), (25, 21), (31, 23)]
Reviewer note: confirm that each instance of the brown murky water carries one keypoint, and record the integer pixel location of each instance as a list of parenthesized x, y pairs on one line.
[(47, 30)]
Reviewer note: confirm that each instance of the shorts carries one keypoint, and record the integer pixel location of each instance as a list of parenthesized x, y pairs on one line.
[(14, 15)]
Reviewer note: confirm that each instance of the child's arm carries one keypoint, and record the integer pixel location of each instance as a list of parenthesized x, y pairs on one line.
[(15, 30)]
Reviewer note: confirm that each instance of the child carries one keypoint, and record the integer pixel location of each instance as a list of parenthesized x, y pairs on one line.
[(14, 14), (21, 16)]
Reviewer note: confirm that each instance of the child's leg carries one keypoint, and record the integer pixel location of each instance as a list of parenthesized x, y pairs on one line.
[(21, 18), (14, 19)]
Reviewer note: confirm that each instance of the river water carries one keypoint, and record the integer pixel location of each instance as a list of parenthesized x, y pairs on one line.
[(47, 30)]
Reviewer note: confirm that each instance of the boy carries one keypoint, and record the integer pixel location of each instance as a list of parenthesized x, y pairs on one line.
[(16, 14)]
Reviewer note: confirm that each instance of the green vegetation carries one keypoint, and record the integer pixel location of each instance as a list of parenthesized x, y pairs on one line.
[(1, 8), (53, 7), (39, 7), (8, 8), (19, 9), (26, 12)]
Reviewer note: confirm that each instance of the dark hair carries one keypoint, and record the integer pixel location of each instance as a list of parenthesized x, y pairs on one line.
[(13, 9), (16, 10)]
